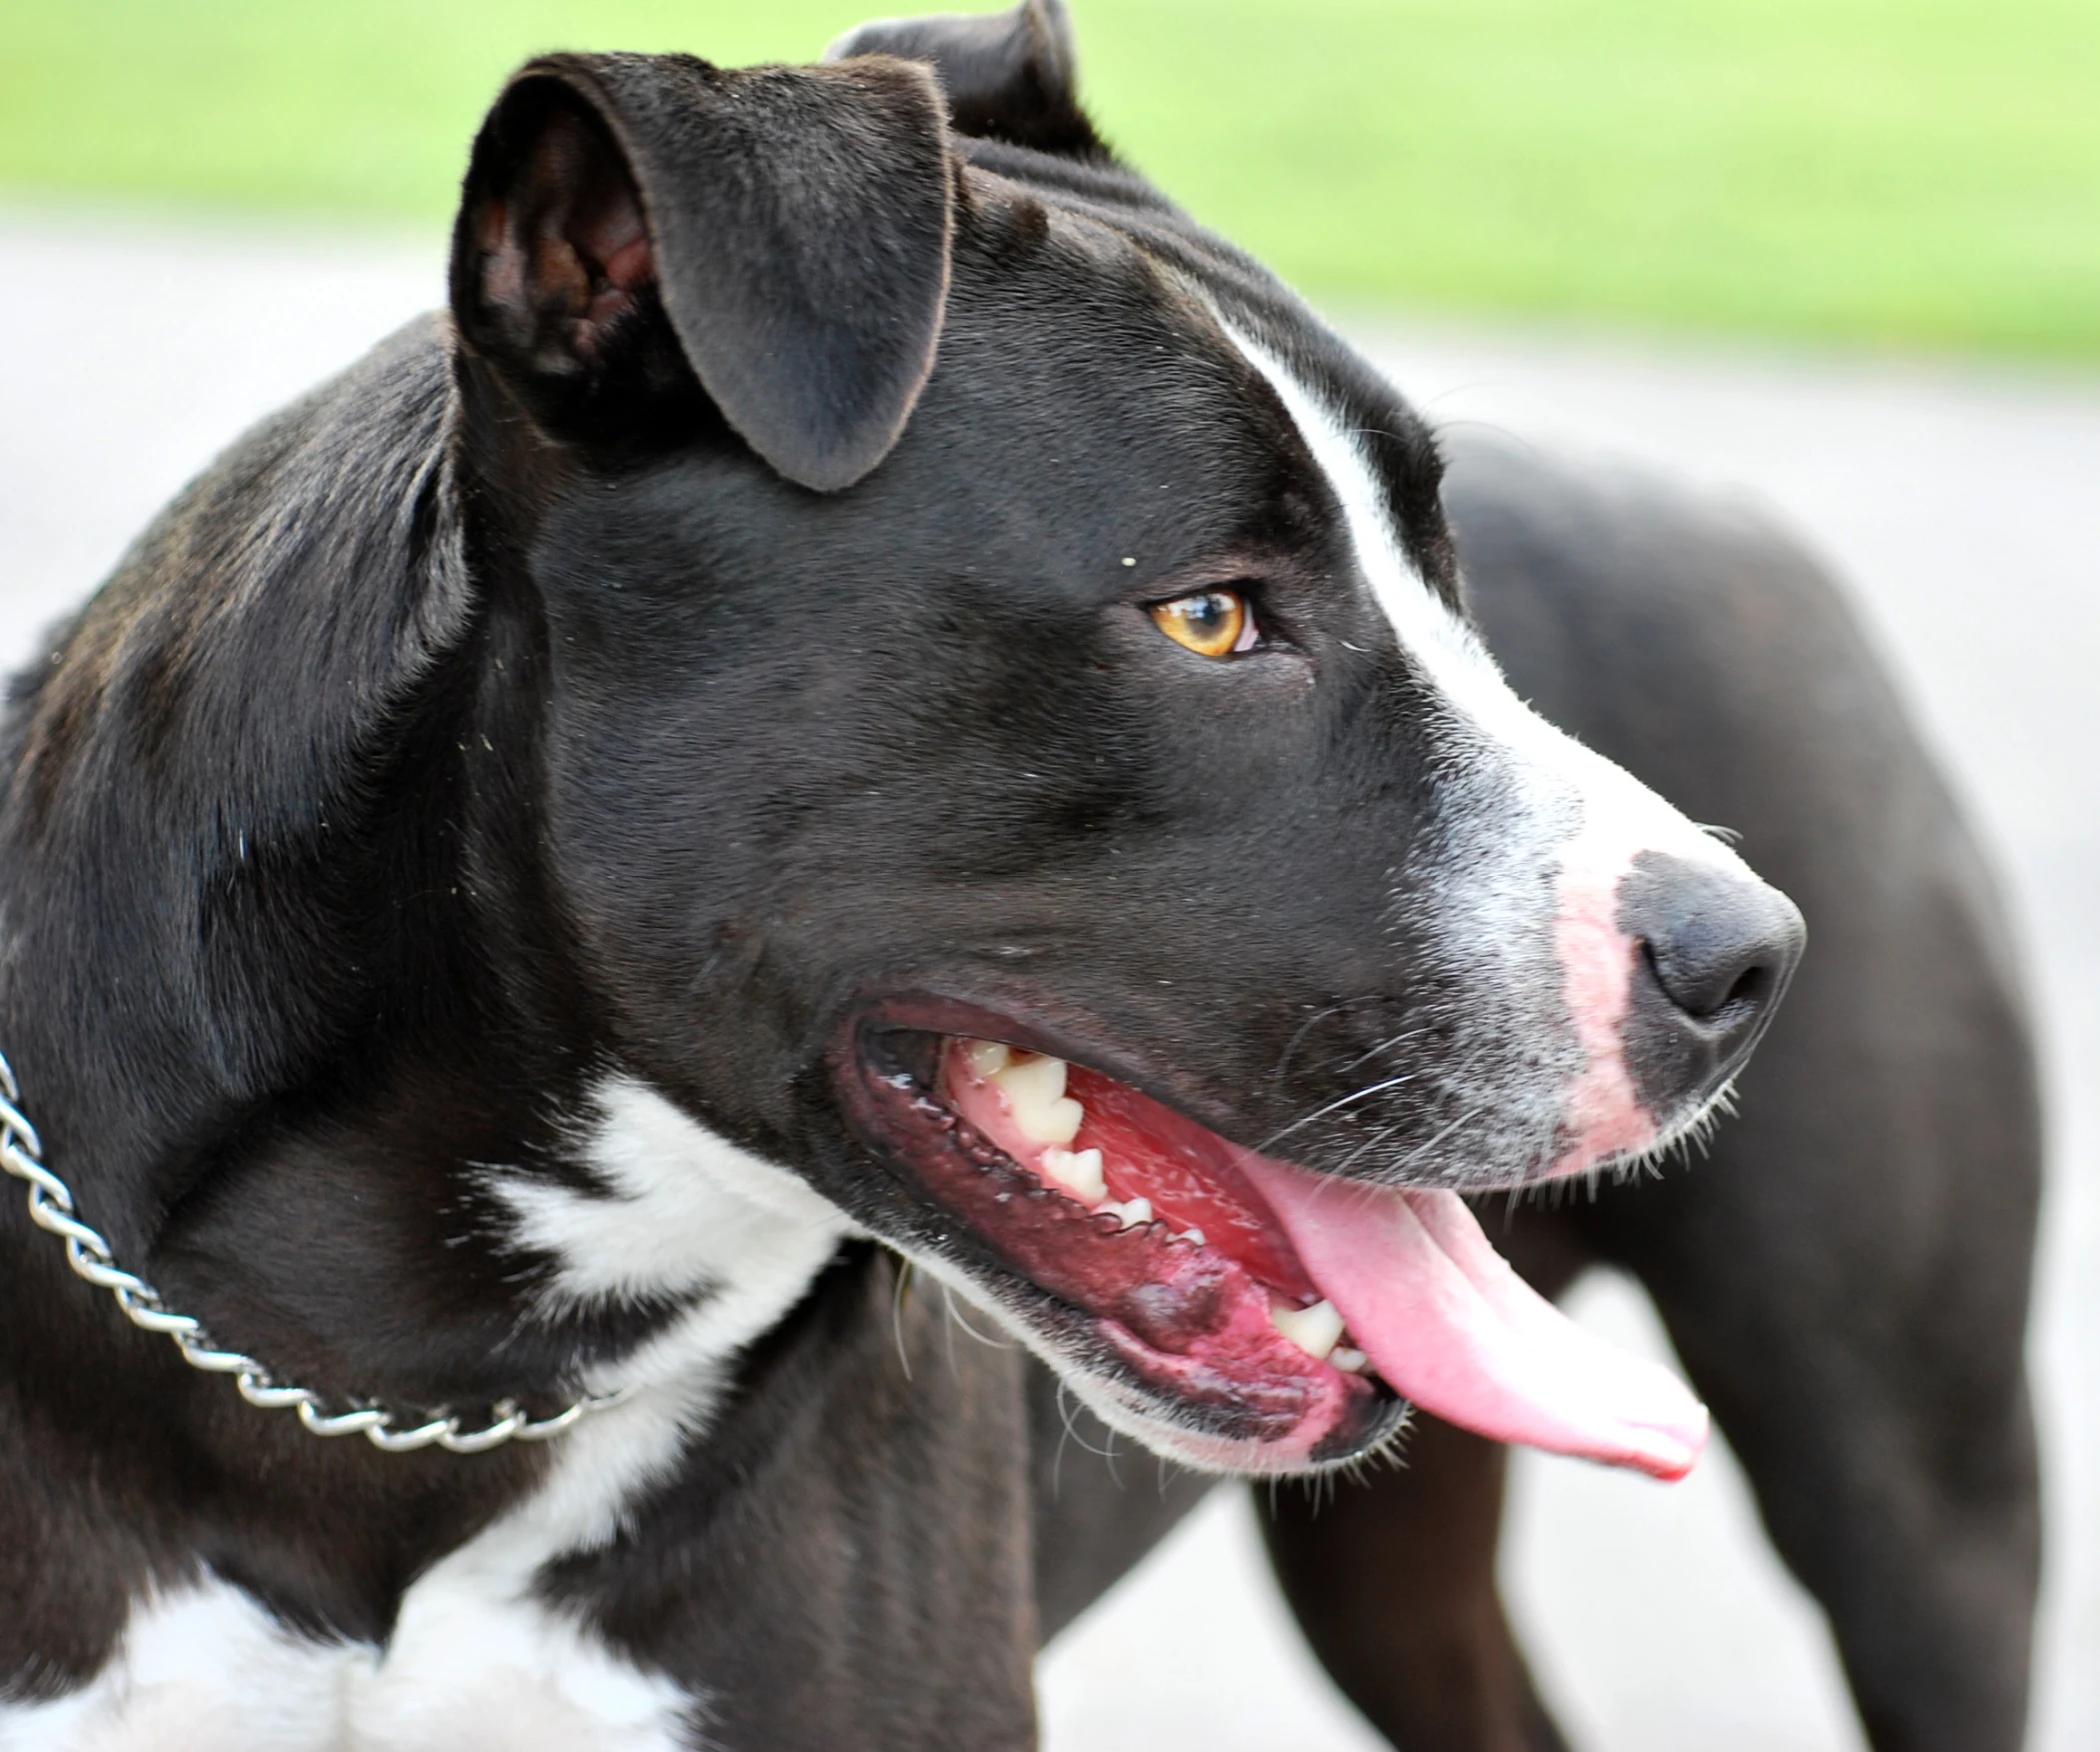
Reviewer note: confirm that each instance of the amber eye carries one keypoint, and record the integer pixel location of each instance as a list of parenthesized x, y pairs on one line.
[(1214, 623)]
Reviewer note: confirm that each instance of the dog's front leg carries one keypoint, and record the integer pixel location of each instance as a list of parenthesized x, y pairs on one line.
[(843, 1561), (1392, 1577)]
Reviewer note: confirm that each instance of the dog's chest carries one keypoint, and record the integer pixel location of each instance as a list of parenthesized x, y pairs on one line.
[(477, 1658), (472, 1664)]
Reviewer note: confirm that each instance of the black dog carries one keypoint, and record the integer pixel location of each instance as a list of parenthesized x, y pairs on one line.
[(877, 696)]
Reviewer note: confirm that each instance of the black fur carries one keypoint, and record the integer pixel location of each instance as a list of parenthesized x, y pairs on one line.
[(1010, 76), (794, 223), (1845, 1271), (566, 689)]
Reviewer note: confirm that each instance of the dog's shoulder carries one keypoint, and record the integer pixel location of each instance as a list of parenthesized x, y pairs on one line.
[(1602, 583), (300, 544), (215, 710)]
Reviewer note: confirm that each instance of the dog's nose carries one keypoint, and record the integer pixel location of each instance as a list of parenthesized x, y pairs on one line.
[(1718, 950)]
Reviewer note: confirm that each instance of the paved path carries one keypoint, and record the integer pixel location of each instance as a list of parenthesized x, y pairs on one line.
[(1965, 507)]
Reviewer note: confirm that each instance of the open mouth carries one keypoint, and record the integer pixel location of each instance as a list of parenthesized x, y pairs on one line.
[(1280, 1317)]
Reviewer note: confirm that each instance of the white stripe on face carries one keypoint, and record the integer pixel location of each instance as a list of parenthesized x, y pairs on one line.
[(1446, 647), (1573, 812)]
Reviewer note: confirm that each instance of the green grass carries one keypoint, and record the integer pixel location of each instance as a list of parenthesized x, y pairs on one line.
[(1909, 173)]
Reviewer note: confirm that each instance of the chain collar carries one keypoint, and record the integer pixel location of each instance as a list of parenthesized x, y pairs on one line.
[(51, 1208)]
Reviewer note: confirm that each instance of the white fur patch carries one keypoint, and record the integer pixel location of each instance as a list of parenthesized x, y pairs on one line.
[(1573, 812), (1611, 804), (475, 1661), (207, 1670), (1423, 623), (683, 1211)]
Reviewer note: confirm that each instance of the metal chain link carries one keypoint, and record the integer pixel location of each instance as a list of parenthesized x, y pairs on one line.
[(52, 1209)]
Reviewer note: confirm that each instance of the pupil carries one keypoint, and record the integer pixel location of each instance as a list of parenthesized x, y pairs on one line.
[(1208, 620)]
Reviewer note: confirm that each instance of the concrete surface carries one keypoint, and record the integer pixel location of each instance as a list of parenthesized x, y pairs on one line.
[(1965, 507)]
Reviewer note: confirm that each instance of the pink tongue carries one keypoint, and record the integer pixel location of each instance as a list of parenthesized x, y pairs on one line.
[(1453, 1327)]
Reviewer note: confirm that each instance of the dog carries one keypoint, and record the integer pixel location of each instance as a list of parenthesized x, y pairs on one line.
[(876, 728)]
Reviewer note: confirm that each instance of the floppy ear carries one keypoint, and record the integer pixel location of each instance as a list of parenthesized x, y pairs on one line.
[(784, 232), (1012, 75)]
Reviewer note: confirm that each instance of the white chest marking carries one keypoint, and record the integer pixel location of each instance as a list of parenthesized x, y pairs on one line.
[(476, 1660)]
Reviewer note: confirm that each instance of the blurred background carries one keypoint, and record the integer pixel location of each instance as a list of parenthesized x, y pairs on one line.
[(1914, 173), (1839, 255)]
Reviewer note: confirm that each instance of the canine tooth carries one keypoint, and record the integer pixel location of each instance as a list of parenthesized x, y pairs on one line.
[(1078, 1172), (1350, 1362), (985, 1058), (1315, 1330), (1034, 1091)]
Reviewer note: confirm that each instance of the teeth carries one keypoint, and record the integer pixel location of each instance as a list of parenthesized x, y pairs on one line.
[(1350, 1362), (1034, 1091), (1078, 1174), (1033, 1087), (1131, 1215), (1315, 1330)]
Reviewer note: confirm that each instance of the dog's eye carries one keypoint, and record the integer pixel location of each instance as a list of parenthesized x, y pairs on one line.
[(1212, 623)]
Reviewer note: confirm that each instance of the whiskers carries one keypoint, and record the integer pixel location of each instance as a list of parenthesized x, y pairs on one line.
[(1340, 1105), (1694, 1132), (1392, 1044), (1322, 1488), (956, 1318), (1072, 1436), (901, 1289)]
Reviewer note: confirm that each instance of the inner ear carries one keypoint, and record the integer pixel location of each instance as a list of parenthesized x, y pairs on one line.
[(644, 237), (564, 255)]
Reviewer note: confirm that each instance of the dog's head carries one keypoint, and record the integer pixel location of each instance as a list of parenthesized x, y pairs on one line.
[(1014, 751)]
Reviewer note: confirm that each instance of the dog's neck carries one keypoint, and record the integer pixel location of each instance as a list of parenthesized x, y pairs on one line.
[(386, 1154), (672, 1216)]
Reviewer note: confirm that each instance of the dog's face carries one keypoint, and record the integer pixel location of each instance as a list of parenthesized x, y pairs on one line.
[(1094, 801)]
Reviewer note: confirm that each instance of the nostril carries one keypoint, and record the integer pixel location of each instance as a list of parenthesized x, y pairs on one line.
[(1719, 945), (1703, 993), (1751, 990), (1717, 950)]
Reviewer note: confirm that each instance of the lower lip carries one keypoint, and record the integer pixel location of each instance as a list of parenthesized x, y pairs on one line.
[(1188, 1323)]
